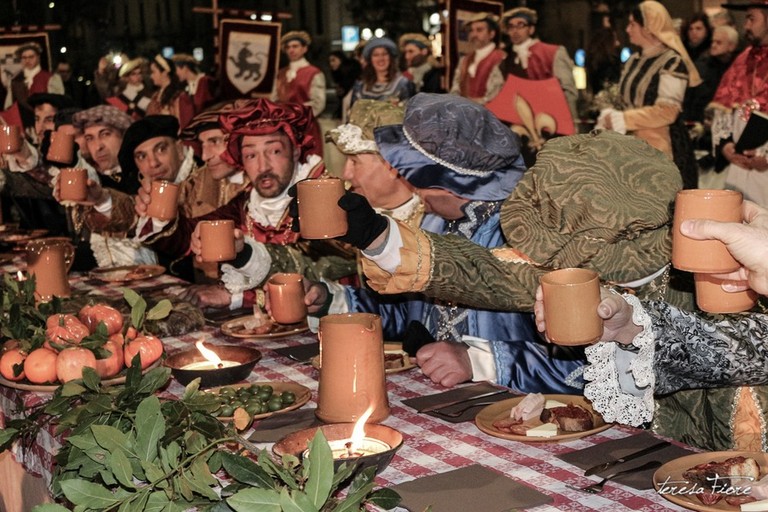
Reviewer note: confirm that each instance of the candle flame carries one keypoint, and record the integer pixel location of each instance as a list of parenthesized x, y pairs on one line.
[(208, 354), (19, 276), (358, 433)]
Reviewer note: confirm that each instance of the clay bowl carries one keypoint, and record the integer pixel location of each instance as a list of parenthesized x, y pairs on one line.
[(296, 443), (246, 358)]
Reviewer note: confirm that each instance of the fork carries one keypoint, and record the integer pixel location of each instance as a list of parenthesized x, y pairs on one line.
[(459, 412), (598, 487)]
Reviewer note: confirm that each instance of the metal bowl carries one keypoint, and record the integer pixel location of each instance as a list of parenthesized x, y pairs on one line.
[(296, 443), (245, 356)]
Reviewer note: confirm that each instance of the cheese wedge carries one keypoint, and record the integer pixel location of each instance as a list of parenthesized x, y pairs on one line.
[(755, 506), (545, 430), (551, 404)]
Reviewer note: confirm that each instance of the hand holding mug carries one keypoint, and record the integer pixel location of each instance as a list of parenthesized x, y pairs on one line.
[(613, 309), (747, 242), (143, 198)]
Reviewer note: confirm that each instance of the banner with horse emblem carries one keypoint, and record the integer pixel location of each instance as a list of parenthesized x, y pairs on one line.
[(249, 58)]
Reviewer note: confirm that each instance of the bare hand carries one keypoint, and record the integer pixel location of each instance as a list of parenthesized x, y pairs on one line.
[(747, 243), (445, 363), (239, 240), (315, 295), (613, 309), (207, 295), (755, 161), (195, 244), (142, 198), (730, 154)]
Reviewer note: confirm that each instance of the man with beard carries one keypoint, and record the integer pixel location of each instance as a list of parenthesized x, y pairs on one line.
[(422, 68), (535, 60), (742, 90), (478, 76), (271, 143)]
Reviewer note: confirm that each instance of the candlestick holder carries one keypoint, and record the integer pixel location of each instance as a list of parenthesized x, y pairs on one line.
[(237, 363), (377, 448)]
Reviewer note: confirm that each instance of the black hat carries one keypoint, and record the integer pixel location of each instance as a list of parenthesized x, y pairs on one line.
[(748, 5), (141, 131), (57, 100)]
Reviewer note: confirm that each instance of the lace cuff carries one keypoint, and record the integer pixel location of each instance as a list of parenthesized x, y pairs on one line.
[(602, 375), (250, 275)]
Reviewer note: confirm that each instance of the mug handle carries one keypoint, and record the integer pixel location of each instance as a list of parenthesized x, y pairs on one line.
[(69, 256)]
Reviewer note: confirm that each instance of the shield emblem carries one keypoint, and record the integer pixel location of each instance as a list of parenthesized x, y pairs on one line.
[(247, 59)]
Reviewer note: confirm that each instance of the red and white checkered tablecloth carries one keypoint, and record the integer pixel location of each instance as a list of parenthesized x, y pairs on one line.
[(431, 446)]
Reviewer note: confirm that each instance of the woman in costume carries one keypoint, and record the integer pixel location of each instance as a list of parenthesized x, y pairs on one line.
[(652, 89), (381, 80), (170, 97)]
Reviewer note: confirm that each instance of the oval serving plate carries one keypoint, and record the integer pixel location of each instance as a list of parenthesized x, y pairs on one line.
[(500, 410), (236, 328), (303, 394), (25, 385), (670, 477), (127, 273)]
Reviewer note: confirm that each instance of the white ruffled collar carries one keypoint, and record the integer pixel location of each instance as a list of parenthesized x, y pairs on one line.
[(269, 211)]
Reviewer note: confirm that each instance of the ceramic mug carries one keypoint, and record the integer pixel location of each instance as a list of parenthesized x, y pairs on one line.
[(62, 148), (711, 297), (571, 297), (217, 240), (73, 184), (704, 256), (320, 216), (10, 138), (49, 260), (163, 200), (286, 298), (352, 376)]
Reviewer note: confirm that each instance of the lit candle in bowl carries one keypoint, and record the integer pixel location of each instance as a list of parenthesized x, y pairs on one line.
[(20, 276), (364, 444), (212, 360), (219, 365)]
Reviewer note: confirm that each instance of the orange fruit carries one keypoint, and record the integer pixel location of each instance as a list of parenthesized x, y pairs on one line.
[(112, 365), (40, 366), (150, 348), (11, 357), (71, 361)]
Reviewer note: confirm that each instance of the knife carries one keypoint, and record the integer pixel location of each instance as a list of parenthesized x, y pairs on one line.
[(631, 456), (431, 408)]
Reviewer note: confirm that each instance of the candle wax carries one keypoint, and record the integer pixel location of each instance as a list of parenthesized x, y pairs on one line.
[(368, 446), (208, 365)]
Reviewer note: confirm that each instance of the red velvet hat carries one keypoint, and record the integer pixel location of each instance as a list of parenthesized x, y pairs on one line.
[(262, 117)]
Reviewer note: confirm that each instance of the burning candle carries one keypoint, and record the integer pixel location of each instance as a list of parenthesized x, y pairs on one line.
[(212, 360), (208, 365), (358, 445), (20, 276)]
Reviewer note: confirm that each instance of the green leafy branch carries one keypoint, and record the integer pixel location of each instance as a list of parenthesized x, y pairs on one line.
[(129, 450), (139, 313)]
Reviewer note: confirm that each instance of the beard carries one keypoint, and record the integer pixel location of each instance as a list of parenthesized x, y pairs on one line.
[(278, 187)]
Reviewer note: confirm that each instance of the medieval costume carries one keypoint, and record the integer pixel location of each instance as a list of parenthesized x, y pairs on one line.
[(478, 75), (652, 89)]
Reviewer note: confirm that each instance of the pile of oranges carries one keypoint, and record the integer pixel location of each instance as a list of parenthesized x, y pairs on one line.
[(61, 358)]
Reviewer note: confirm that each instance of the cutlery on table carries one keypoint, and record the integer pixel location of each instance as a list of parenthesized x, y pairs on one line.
[(434, 408), (634, 455), (598, 487), (459, 412)]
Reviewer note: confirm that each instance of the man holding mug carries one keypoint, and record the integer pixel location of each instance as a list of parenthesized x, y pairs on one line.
[(272, 144)]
